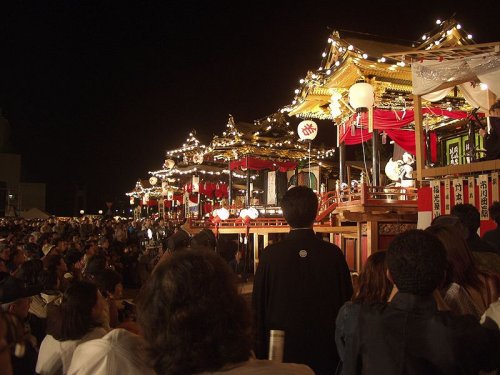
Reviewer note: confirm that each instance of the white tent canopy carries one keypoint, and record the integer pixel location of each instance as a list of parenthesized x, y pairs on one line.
[(34, 213), (434, 79)]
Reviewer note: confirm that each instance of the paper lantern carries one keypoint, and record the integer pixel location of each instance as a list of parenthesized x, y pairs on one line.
[(223, 213), (153, 180), (361, 95), (307, 130), (253, 213), (244, 213), (169, 164)]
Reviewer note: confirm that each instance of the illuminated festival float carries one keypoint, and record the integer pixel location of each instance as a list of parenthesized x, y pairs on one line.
[(407, 121)]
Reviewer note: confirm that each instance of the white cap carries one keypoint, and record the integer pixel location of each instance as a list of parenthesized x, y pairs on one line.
[(119, 352)]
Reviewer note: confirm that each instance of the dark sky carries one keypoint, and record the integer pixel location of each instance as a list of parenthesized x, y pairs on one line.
[(96, 91)]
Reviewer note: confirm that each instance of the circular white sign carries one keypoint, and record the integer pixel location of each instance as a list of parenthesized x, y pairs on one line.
[(307, 129)]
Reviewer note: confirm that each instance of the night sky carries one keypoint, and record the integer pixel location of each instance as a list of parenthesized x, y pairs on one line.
[(96, 91)]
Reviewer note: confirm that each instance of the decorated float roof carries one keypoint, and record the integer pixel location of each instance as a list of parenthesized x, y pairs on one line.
[(347, 59), (270, 138)]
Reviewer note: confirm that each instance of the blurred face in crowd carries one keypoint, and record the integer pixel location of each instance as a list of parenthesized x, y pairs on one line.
[(5, 253), (118, 292), (20, 308)]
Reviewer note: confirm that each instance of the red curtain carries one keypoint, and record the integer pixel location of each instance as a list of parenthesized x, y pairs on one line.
[(260, 164), (391, 122)]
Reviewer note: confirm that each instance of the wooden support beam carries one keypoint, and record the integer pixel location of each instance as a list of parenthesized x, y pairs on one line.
[(358, 247), (371, 237), (419, 132), (255, 252)]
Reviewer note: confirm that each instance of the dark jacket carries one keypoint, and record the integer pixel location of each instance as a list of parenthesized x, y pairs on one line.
[(410, 336), (493, 238), (299, 287)]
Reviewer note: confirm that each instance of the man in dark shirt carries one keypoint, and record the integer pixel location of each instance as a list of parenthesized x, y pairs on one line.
[(493, 236), (409, 335), (492, 139), (299, 286)]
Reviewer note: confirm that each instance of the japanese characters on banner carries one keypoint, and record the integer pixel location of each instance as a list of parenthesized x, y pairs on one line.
[(494, 187), (471, 181), (447, 200), (271, 187), (436, 198), (458, 190), (483, 196)]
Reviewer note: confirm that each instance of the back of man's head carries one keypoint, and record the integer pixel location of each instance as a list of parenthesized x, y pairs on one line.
[(416, 261), (299, 205), (468, 215), (495, 212)]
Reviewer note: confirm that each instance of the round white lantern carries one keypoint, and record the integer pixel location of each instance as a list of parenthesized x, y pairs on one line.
[(307, 130), (223, 213), (361, 95), (153, 180), (244, 213), (253, 213), (169, 164)]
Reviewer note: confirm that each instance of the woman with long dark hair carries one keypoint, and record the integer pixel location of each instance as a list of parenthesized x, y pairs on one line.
[(77, 319), (373, 287), (466, 290)]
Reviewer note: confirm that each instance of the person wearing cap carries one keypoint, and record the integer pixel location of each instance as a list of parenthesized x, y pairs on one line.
[(15, 301), (409, 335)]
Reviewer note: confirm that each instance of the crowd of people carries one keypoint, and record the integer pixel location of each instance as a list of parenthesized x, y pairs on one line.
[(428, 305)]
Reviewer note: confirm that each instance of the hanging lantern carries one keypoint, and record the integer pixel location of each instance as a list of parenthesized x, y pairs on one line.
[(169, 164), (307, 130), (253, 213), (223, 213), (361, 95), (153, 180)]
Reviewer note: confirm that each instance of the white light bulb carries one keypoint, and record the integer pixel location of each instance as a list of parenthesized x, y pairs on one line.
[(469, 36), (459, 26), (382, 59), (323, 54), (350, 48), (483, 86), (438, 22), (365, 56), (337, 63), (424, 37), (328, 71), (297, 91), (301, 80)]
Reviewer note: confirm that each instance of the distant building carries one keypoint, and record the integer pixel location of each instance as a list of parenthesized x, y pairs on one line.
[(15, 195)]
